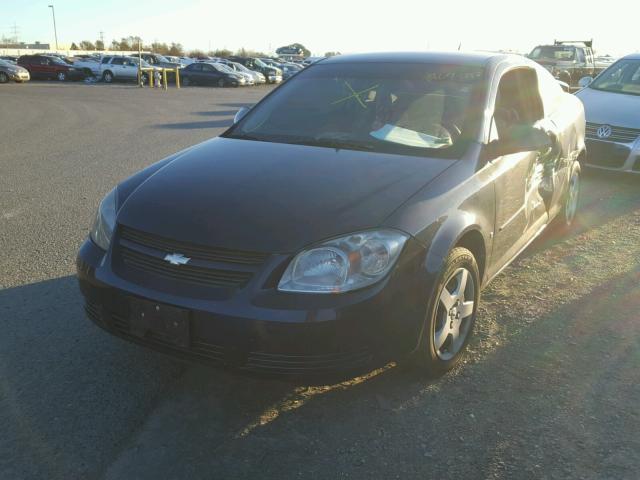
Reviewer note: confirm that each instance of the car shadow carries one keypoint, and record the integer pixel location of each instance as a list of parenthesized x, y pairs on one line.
[(604, 197), (396, 423), (547, 384)]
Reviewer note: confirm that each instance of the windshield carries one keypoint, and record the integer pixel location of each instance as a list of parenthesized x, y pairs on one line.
[(557, 52), (57, 60), (260, 63), (242, 68), (135, 61), (160, 58), (621, 77), (221, 67), (420, 109), (4, 63)]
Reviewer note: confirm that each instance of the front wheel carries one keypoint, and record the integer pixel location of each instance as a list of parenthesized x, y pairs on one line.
[(107, 77), (451, 314), (61, 76), (4, 78), (567, 215), (221, 82), (185, 81)]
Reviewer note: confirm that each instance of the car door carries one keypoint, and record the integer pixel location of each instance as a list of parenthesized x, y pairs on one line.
[(130, 69), (520, 211), (44, 67), (210, 74), (194, 73), (117, 67)]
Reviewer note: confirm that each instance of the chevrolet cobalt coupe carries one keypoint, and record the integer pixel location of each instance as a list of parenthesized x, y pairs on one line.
[(350, 218)]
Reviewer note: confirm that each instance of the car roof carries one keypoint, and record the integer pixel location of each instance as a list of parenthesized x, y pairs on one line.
[(454, 58), (632, 56)]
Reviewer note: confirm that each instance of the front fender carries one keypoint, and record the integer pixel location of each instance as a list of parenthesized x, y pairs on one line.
[(450, 234)]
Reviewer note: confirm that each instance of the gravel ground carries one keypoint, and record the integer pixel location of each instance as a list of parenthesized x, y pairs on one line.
[(550, 388)]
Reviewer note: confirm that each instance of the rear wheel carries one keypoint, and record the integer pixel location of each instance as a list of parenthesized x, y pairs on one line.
[(61, 76), (221, 82), (107, 76), (4, 78), (451, 314)]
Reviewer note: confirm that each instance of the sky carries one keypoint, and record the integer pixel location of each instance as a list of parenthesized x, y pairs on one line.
[(347, 26)]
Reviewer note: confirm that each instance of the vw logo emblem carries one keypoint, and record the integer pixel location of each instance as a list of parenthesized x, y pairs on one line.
[(604, 131)]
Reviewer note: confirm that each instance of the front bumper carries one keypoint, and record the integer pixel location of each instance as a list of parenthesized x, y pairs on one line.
[(262, 330), (20, 76), (613, 156)]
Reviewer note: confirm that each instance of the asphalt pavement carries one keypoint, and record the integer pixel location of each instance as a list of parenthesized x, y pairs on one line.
[(550, 388)]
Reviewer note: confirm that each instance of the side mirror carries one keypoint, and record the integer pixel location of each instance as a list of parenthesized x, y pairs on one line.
[(585, 82), (521, 138), (240, 113)]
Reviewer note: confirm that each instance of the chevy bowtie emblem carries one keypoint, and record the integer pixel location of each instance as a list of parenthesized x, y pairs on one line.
[(176, 259)]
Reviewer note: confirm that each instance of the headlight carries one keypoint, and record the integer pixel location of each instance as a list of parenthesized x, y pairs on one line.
[(105, 221), (344, 264)]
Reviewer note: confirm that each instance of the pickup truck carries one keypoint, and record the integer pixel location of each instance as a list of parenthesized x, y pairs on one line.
[(568, 61)]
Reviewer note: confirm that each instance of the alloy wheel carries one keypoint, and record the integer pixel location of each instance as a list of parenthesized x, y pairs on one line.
[(62, 76), (454, 314), (573, 195)]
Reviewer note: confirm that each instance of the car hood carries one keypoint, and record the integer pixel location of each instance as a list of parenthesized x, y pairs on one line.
[(616, 109), (271, 197)]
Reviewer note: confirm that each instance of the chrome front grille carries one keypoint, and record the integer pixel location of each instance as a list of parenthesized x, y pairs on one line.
[(618, 134)]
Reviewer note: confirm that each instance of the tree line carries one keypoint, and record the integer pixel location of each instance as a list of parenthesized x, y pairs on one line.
[(131, 43)]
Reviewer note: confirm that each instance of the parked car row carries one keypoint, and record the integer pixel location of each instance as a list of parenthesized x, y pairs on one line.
[(232, 71)]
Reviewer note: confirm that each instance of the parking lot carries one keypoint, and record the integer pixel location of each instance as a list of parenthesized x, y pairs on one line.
[(550, 388)]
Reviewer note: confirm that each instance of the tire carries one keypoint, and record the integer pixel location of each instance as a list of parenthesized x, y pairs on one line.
[(567, 216), (107, 76), (145, 79), (565, 77), (61, 76), (221, 82), (185, 81), (4, 78), (450, 316)]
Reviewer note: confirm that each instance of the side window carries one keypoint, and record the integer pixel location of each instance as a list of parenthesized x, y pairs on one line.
[(207, 68), (550, 91), (45, 61), (518, 101), (118, 61), (106, 60), (196, 67), (581, 58)]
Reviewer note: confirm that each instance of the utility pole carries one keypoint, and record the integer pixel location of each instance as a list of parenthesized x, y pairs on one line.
[(55, 30), (102, 39), (15, 32)]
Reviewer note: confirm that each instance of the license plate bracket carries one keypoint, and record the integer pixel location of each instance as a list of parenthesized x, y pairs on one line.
[(152, 319)]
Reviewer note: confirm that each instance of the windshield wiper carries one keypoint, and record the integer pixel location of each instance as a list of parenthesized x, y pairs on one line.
[(338, 144)]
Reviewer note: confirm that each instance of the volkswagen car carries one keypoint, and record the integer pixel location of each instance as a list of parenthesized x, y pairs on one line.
[(612, 108), (350, 218)]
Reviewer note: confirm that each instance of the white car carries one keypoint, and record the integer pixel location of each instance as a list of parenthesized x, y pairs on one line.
[(121, 68), (89, 65), (252, 77), (612, 108)]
